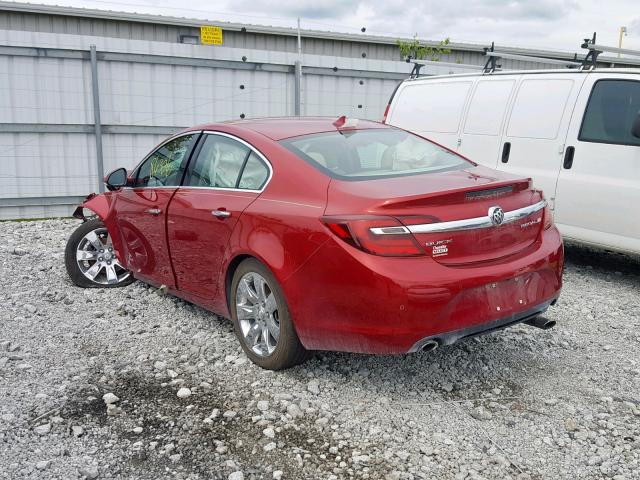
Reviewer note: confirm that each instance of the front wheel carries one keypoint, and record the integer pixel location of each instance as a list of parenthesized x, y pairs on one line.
[(91, 260), (261, 318)]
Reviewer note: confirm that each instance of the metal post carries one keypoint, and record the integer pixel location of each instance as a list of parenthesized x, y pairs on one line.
[(298, 72), (96, 117), (297, 100)]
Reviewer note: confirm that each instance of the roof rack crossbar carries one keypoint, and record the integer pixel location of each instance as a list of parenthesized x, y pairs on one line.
[(530, 58), (418, 64)]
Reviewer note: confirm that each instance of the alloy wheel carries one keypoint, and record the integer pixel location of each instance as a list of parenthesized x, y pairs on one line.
[(97, 260), (257, 312)]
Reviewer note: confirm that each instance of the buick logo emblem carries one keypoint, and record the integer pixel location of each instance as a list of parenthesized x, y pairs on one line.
[(496, 214)]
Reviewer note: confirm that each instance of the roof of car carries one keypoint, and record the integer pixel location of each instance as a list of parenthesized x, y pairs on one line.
[(279, 128)]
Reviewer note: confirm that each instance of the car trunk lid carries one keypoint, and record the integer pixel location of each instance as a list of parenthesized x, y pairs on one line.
[(449, 212)]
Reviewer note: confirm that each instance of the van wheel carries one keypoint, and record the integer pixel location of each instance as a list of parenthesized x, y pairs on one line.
[(91, 260), (261, 318)]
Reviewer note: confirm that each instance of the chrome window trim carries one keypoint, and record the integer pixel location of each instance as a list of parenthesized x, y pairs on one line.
[(465, 224), (209, 132), (250, 147)]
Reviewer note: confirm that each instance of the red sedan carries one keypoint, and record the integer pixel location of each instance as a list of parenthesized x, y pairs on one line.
[(325, 234)]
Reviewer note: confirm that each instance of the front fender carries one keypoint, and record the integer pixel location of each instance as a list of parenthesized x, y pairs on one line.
[(102, 205)]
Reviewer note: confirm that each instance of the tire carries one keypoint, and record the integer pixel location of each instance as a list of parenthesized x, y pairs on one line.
[(288, 350), (80, 271)]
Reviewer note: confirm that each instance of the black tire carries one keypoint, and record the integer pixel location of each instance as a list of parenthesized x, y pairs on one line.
[(73, 269), (288, 351)]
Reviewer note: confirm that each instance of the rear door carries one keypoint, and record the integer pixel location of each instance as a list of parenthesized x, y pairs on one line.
[(480, 139), (432, 108), (534, 137), (225, 176), (599, 187), (141, 210)]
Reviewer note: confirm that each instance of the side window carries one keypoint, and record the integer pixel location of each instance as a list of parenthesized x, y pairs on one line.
[(164, 167), (254, 175), (538, 108), (219, 163), (612, 109)]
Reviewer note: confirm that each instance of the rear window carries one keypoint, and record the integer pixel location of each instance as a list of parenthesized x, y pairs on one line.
[(358, 154)]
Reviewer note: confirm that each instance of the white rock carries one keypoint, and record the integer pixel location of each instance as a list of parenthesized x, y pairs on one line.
[(160, 365), (229, 414), (90, 473), (314, 387), (184, 392), (269, 446), (238, 475), (43, 429), (110, 398), (263, 405), (277, 474), (77, 431), (269, 432), (137, 430), (41, 465), (8, 417)]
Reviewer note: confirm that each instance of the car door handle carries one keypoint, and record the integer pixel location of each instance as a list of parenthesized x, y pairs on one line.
[(221, 213), (506, 150), (568, 157), (154, 211)]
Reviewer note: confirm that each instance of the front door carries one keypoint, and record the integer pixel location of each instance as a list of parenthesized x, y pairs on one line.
[(225, 176), (141, 211), (599, 187)]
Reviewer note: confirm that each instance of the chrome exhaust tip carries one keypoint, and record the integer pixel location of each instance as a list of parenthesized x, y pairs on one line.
[(430, 346), (541, 323)]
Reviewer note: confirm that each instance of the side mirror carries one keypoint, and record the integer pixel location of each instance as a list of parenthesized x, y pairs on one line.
[(116, 179), (635, 128)]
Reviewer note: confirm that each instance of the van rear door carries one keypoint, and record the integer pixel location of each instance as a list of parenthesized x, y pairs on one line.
[(536, 128)]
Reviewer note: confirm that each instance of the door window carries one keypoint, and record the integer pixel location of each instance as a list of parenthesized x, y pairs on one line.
[(219, 163), (613, 107), (165, 166), (254, 175)]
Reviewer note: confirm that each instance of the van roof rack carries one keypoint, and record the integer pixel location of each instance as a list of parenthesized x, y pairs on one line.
[(491, 65), (418, 64), (591, 59)]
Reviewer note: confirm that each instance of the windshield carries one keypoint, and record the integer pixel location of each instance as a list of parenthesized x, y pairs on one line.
[(358, 154)]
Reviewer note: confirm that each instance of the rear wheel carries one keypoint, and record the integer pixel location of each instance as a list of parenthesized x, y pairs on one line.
[(91, 260), (261, 318)]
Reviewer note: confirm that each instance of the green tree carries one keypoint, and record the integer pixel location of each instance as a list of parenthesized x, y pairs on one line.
[(415, 50)]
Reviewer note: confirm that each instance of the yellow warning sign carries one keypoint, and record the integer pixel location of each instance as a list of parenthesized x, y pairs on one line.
[(210, 35)]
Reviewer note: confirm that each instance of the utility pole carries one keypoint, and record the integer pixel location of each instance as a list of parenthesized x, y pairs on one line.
[(623, 32)]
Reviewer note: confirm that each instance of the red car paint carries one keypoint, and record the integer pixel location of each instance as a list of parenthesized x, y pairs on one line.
[(340, 297)]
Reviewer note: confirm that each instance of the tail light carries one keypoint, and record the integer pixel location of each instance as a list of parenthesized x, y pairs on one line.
[(386, 112), (377, 235), (547, 217)]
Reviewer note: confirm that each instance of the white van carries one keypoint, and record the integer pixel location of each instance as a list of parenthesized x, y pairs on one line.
[(575, 133)]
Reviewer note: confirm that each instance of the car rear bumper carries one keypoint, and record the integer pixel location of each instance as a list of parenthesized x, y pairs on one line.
[(449, 338), (346, 300)]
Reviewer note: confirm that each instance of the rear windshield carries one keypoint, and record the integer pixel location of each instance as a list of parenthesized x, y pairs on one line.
[(373, 153)]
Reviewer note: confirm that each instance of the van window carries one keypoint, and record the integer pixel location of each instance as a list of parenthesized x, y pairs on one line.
[(538, 109), (373, 153), (611, 111), (431, 106), (487, 107)]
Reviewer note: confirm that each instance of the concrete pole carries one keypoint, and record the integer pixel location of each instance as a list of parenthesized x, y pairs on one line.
[(96, 117)]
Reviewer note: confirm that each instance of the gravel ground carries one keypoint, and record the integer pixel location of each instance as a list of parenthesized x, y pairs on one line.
[(182, 401)]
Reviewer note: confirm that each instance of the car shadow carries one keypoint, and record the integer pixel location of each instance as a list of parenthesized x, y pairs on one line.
[(605, 261)]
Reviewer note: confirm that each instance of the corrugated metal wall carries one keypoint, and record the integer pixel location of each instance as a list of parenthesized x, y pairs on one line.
[(47, 142)]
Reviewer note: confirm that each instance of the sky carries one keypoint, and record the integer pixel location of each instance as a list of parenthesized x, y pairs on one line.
[(555, 24)]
